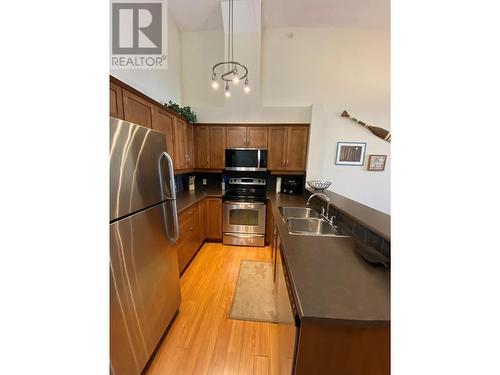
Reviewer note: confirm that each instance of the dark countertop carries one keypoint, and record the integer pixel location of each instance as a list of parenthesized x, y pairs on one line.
[(187, 198), (330, 280), (376, 221)]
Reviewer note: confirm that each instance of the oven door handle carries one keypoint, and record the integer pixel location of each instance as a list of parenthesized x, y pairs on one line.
[(244, 204), (243, 235)]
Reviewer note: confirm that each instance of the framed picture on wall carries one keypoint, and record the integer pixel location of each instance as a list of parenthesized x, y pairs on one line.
[(350, 153), (376, 162)]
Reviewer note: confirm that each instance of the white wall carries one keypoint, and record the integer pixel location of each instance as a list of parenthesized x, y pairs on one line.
[(161, 85), (320, 65), (334, 69), (355, 182)]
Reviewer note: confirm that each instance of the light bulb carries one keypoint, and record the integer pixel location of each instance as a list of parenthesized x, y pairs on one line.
[(215, 84), (236, 79), (247, 88), (227, 90)]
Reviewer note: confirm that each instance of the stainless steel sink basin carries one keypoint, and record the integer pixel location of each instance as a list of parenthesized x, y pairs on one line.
[(298, 212), (315, 227)]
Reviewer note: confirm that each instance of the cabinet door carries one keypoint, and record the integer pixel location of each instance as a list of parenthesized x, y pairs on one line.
[(257, 137), (214, 218), (115, 101), (137, 110), (217, 142), (277, 148), (164, 122), (236, 136), (180, 144), (202, 147), (190, 146), (296, 148), (202, 230)]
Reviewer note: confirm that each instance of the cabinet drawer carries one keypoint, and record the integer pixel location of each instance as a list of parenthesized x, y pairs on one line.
[(188, 214)]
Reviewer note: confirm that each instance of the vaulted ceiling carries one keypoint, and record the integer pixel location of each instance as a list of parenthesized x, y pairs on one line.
[(196, 15)]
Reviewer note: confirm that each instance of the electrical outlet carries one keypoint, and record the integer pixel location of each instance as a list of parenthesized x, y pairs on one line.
[(204, 181)]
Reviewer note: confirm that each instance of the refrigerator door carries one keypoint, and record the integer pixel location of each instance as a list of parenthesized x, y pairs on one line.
[(145, 291), (134, 152)]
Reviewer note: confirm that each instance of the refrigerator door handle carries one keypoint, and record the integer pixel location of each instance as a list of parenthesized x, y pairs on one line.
[(171, 199)]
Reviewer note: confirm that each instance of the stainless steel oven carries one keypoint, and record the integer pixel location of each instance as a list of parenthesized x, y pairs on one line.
[(246, 159), (244, 223), (244, 212)]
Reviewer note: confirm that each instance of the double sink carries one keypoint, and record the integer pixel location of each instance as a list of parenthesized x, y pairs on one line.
[(305, 221)]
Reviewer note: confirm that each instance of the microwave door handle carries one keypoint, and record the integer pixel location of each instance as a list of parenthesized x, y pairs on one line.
[(172, 199)]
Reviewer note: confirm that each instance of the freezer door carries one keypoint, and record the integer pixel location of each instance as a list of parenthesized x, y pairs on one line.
[(134, 152), (145, 290)]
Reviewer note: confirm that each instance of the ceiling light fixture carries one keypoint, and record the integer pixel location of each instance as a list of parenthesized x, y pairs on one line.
[(232, 73)]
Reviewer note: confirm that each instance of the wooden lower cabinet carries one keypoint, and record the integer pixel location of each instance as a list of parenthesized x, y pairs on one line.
[(214, 218), (189, 239), (344, 350), (201, 221)]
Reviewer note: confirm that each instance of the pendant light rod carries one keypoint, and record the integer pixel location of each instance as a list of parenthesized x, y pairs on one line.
[(233, 69)]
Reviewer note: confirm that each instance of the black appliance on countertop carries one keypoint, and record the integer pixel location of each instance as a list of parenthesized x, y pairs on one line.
[(292, 185)]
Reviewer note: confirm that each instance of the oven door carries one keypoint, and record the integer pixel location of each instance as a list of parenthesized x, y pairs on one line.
[(243, 217)]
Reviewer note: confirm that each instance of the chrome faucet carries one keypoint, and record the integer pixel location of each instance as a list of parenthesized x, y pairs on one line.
[(327, 203)]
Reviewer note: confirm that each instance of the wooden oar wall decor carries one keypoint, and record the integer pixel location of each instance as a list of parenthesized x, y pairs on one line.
[(379, 132)]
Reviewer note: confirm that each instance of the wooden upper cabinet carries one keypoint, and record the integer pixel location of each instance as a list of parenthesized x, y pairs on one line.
[(257, 137), (236, 136), (184, 145), (137, 110), (210, 141), (276, 154), (217, 140), (297, 148), (164, 122), (180, 161), (288, 148), (246, 136), (115, 101), (202, 147), (190, 146)]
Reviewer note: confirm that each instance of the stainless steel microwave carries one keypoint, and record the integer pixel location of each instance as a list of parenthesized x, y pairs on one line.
[(246, 159)]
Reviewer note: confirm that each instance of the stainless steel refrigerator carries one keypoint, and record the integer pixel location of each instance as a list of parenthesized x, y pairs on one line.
[(144, 272)]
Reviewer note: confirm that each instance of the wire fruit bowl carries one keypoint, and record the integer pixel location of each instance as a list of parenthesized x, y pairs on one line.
[(319, 185)]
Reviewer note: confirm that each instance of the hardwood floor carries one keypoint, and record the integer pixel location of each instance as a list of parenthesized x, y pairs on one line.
[(202, 339)]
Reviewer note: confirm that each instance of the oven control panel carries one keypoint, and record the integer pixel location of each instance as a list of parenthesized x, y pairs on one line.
[(247, 181)]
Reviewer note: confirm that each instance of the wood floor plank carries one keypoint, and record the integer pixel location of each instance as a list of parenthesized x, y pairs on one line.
[(202, 339), (261, 366)]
